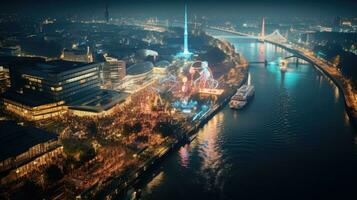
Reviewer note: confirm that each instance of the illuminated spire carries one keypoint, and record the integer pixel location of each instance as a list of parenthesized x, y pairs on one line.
[(106, 13), (185, 42)]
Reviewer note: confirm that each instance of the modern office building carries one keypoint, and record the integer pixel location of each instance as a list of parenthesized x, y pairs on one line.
[(138, 76), (41, 90), (114, 71), (56, 80), (6, 62), (77, 55), (45, 89)]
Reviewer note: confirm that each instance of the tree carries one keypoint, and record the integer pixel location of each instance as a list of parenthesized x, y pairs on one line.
[(166, 128), (92, 129), (87, 154), (137, 127), (214, 55), (75, 147), (127, 128), (52, 174)]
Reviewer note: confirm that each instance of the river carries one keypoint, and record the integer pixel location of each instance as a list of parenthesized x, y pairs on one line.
[(293, 141)]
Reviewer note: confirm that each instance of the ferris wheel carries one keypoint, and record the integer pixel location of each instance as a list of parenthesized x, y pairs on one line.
[(202, 76)]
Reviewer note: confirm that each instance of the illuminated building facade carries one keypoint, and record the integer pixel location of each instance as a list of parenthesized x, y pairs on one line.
[(138, 77), (43, 90), (24, 149), (161, 67), (77, 55), (114, 71), (4, 79)]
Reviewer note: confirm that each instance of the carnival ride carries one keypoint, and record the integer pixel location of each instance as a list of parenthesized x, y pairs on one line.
[(202, 76)]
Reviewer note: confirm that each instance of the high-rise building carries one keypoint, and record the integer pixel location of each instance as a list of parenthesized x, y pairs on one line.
[(337, 23), (106, 13), (114, 71)]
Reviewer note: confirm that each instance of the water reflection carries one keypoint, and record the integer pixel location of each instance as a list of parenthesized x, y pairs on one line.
[(261, 56), (208, 141), (336, 93), (155, 182), (184, 155), (209, 151), (291, 127)]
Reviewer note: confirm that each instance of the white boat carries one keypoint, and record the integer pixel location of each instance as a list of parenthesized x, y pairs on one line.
[(235, 104), (242, 96)]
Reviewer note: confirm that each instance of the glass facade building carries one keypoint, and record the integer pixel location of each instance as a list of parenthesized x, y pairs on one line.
[(41, 90)]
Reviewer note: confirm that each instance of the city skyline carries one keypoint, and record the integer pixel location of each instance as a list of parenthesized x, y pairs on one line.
[(213, 100)]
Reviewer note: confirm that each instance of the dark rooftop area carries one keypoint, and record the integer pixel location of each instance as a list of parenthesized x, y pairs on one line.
[(40, 64), (140, 68), (10, 60), (76, 51), (58, 66), (16, 139), (26, 99)]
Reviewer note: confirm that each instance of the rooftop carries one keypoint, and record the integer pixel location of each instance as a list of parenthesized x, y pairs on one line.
[(58, 66), (76, 51), (26, 99), (16, 139), (103, 101), (140, 68), (11, 60), (162, 64)]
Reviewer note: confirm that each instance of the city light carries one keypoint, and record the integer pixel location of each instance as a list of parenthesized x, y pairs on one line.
[(178, 100)]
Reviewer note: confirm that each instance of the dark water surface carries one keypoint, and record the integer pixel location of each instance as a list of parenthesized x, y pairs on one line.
[(293, 141)]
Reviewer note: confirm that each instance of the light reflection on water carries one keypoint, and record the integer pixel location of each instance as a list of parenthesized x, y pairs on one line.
[(184, 153), (295, 128), (154, 182)]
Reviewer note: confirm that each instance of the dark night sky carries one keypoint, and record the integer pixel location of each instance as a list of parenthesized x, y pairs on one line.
[(274, 8)]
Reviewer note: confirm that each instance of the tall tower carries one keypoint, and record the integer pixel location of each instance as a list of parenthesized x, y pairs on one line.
[(106, 13), (262, 34), (185, 42)]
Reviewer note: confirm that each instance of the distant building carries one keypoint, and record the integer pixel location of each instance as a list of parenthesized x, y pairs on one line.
[(106, 14), (77, 55), (24, 149), (4, 79), (337, 23), (145, 53), (10, 51), (346, 23)]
